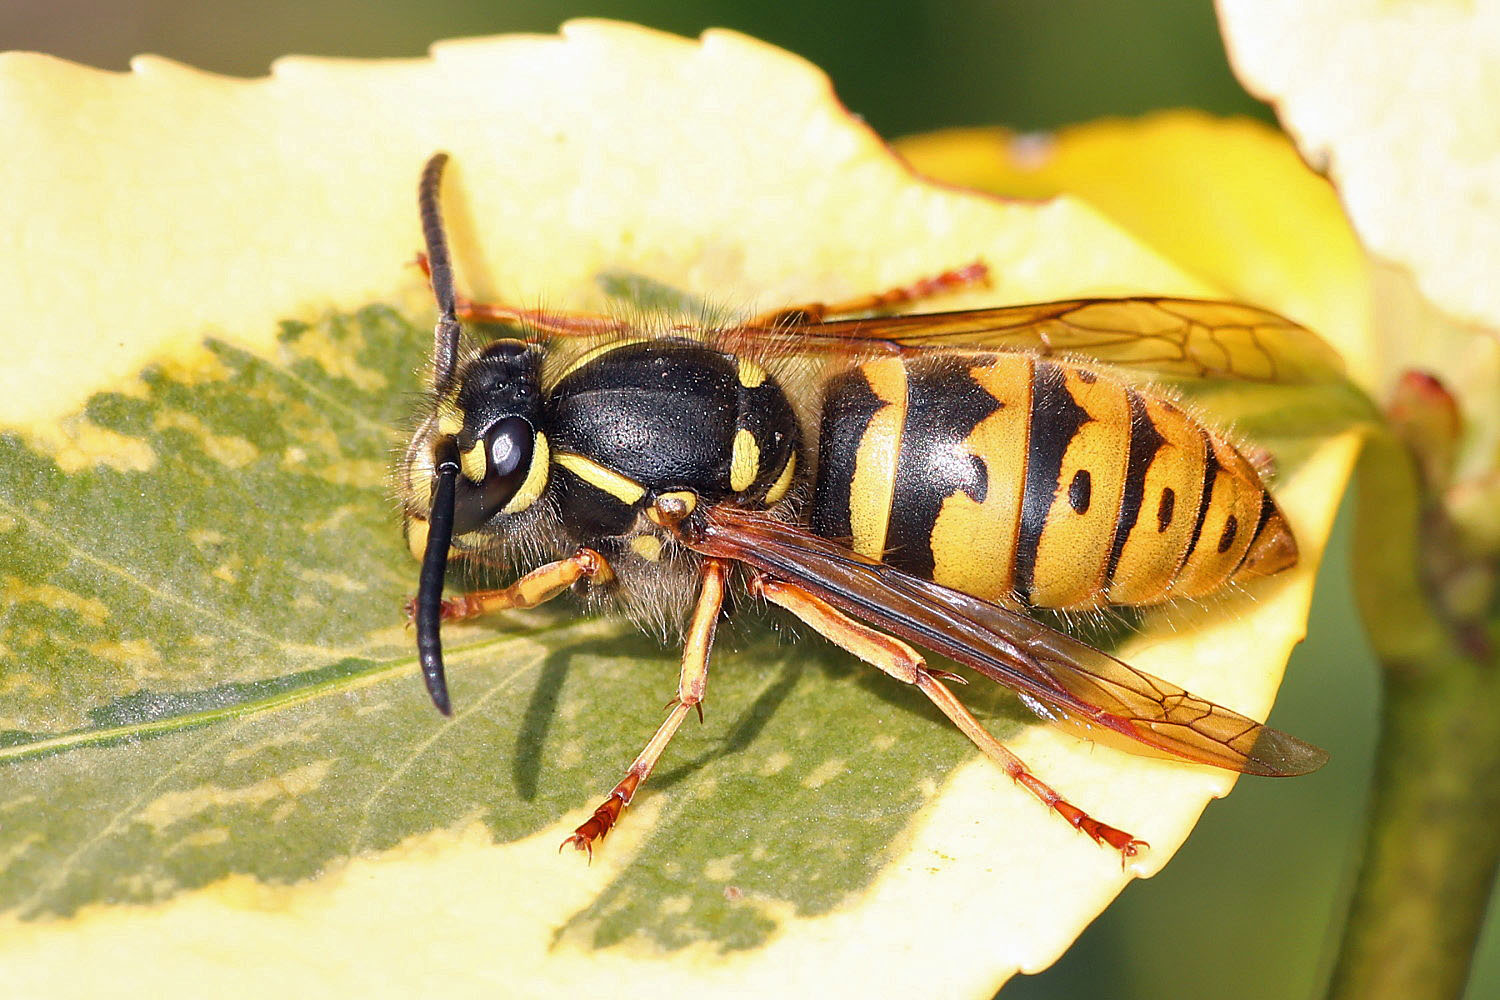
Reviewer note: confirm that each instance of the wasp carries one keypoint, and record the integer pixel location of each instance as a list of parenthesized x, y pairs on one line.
[(928, 485)]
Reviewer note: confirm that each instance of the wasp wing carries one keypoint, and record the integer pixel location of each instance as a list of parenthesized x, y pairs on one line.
[(1174, 338), (1167, 337), (1006, 646)]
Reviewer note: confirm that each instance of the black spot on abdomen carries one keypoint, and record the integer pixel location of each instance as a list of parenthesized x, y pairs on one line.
[(1079, 491), (1164, 509), (1231, 528)]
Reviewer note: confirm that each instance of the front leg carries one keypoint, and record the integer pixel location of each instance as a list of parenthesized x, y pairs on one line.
[(691, 686), (537, 587)]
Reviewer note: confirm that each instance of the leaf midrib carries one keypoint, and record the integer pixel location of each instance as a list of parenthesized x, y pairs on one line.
[(377, 673)]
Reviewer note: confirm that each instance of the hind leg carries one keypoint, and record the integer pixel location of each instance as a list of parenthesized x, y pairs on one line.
[(905, 664)]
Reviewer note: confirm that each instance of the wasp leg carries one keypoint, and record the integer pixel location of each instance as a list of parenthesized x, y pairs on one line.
[(691, 686), (563, 324), (905, 664), (537, 587), (976, 273)]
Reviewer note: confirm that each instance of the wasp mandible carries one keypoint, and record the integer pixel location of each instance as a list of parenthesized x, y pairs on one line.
[(891, 481)]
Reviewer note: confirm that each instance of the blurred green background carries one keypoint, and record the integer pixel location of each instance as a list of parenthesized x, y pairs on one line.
[(1249, 907)]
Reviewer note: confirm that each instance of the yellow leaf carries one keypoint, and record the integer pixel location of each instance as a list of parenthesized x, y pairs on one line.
[(1226, 199), (1396, 103), (164, 206)]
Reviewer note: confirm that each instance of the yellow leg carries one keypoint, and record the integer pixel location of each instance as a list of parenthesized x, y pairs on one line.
[(537, 587), (940, 284), (691, 686), (905, 664)]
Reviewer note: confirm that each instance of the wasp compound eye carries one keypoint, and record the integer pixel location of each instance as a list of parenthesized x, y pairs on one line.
[(510, 449), (507, 449)]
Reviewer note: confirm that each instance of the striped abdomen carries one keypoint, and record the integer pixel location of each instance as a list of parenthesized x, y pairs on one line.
[(1012, 477)]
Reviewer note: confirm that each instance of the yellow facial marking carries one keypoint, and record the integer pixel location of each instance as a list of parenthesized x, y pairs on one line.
[(646, 546), (419, 481), (783, 482), (622, 488), (536, 476), (474, 463), (744, 461), (450, 423), (752, 375), (416, 536)]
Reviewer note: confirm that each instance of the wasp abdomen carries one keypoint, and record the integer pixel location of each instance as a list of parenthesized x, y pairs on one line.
[(1012, 477)]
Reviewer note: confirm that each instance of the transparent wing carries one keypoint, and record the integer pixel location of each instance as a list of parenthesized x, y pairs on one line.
[(1006, 646), (1184, 338)]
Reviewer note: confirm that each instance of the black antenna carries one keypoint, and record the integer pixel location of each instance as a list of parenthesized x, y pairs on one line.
[(434, 567), (440, 270)]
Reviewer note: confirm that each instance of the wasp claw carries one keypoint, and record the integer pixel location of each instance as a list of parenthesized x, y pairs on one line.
[(581, 843)]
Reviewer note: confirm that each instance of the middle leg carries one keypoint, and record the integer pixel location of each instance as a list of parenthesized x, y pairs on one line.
[(691, 686)]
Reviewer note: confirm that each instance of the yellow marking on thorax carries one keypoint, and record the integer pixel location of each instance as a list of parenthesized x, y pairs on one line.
[(686, 499), (622, 488), (974, 542), (873, 484), (783, 482), (648, 547), (595, 353), (536, 476), (752, 375), (744, 461)]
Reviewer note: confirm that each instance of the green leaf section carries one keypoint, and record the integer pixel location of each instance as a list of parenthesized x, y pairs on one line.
[(205, 673)]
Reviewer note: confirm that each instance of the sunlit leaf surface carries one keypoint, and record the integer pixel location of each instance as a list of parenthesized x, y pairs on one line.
[(1396, 103), (1228, 199), (226, 683), (215, 742)]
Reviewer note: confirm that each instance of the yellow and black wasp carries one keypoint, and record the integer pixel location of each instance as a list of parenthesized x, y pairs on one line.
[(924, 483)]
